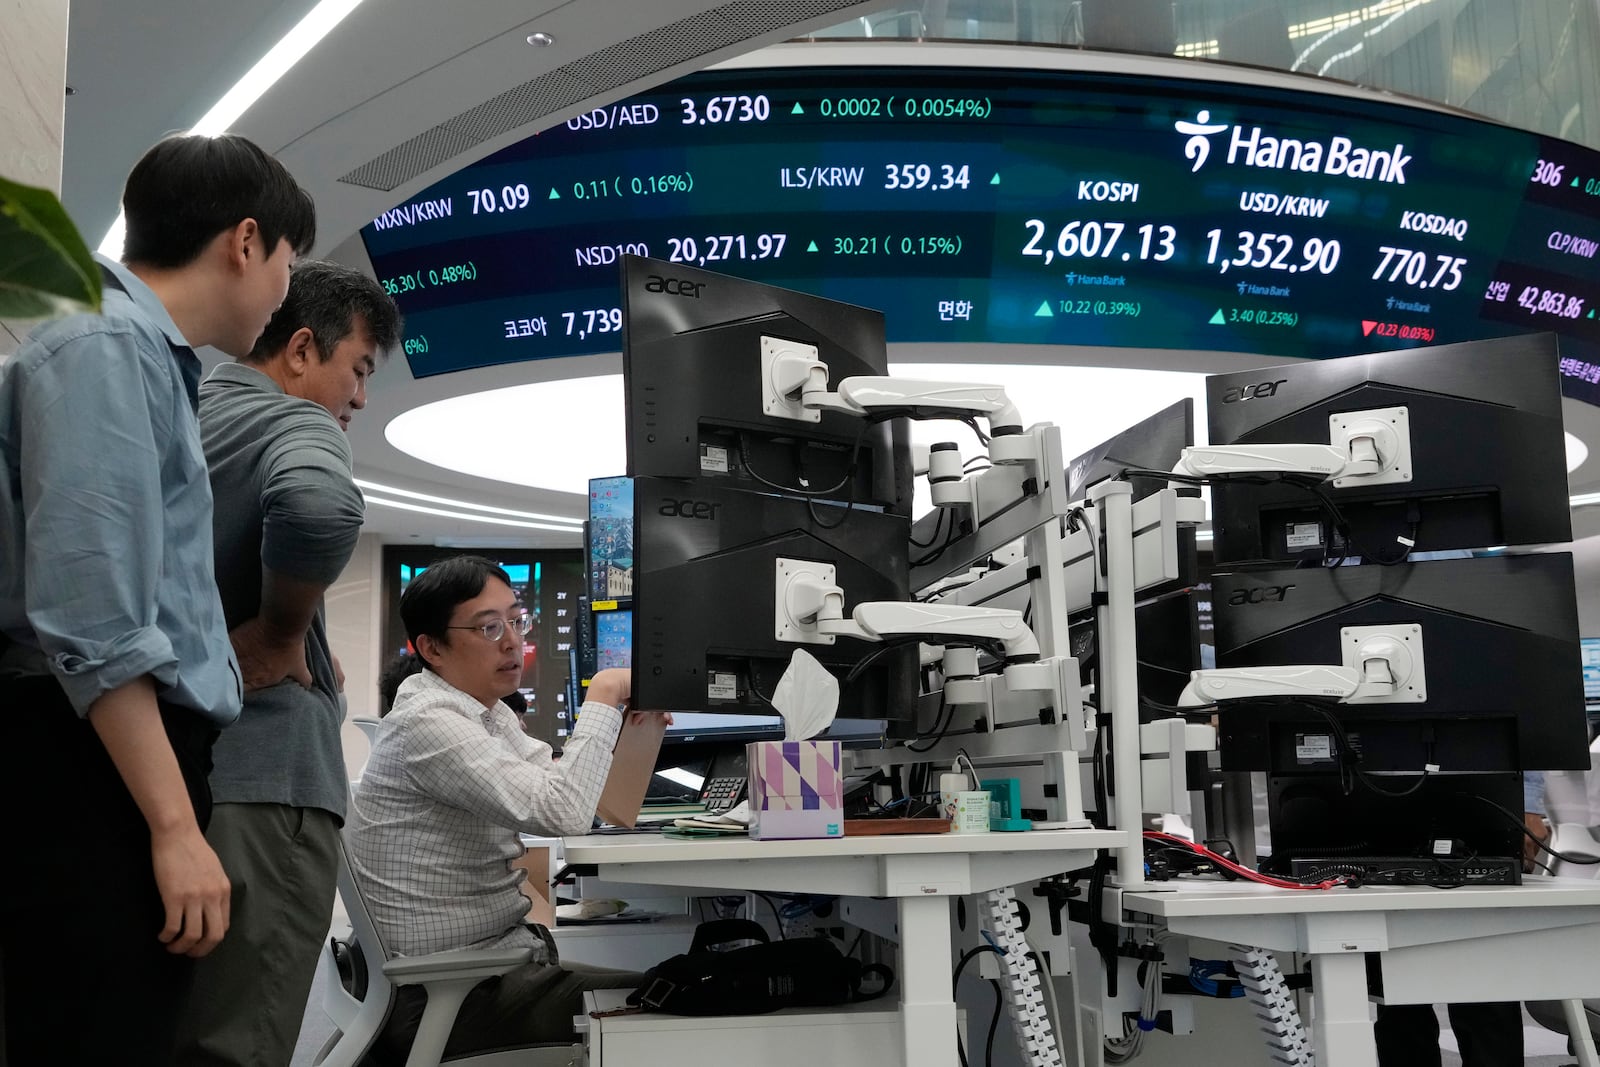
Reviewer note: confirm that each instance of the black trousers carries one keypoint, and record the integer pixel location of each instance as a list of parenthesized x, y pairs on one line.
[(86, 981), (1489, 1035)]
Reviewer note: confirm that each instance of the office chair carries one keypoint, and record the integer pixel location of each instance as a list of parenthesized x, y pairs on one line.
[(359, 1009), (369, 733)]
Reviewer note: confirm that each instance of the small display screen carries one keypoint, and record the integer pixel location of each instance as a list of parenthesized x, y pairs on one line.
[(613, 639), (1591, 668), (610, 538)]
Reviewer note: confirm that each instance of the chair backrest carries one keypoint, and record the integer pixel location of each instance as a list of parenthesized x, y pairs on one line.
[(358, 1020)]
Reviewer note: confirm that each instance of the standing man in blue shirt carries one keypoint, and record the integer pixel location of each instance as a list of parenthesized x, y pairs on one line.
[(115, 666), (287, 517)]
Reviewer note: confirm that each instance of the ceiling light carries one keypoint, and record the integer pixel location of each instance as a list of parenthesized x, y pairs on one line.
[(316, 25), (541, 39), (413, 495), (402, 505)]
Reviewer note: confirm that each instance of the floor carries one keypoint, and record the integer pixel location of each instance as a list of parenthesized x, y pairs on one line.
[(1541, 1047)]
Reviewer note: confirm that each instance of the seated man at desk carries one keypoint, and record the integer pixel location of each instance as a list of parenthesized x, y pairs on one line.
[(451, 781)]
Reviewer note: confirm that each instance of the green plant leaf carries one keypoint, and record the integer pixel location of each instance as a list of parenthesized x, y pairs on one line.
[(45, 268)]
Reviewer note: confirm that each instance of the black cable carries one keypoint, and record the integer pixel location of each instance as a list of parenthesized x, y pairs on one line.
[(955, 983), (951, 537), (941, 723), (1347, 752), (777, 916), (1198, 713), (1317, 487), (933, 535), (972, 422), (1531, 836), (759, 694), (851, 951), (994, 1024), (849, 474)]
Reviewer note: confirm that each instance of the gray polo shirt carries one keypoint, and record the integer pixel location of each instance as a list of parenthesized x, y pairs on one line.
[(285, 501)]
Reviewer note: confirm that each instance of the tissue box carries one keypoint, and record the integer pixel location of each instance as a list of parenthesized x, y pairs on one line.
[(796, 789)]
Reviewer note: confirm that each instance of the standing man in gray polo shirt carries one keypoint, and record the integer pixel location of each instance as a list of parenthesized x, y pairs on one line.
[(287, 517)]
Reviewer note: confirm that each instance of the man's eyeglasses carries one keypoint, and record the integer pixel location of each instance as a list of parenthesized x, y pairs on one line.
[(495, 629)]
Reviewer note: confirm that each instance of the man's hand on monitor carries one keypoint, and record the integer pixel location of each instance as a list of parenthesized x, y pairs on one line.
[(613, 686)]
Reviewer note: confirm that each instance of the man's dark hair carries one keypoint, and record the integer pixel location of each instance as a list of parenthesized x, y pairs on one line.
[(395, 671), (327, 297), (432, 596), (189, 188)]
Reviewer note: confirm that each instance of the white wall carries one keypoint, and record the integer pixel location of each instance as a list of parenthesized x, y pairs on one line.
[(355, 625), (33, 80)]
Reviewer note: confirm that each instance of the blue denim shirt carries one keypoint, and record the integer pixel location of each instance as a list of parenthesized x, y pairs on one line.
[(105, 510)]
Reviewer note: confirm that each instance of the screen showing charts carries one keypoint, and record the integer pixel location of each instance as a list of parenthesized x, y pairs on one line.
[(1016, 206)]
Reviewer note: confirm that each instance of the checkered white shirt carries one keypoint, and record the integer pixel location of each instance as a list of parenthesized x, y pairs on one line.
[(433, 824)]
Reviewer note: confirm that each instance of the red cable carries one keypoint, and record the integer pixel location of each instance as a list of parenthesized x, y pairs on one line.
[(1243, 872)]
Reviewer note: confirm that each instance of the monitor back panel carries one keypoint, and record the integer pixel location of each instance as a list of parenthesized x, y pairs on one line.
[(1500, 640), (705, 600), (1488, 450)]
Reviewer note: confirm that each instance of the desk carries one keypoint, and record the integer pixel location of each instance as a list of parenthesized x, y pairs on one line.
[(920, 871), (1538, 941)]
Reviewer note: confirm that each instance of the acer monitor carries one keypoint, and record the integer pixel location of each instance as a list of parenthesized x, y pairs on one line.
[(691, 357), (704, 617), (1336, 771), (1488, 452), (1153, 444)]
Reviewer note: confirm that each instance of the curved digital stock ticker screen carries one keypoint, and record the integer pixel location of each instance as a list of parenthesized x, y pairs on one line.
[(1061, 208)]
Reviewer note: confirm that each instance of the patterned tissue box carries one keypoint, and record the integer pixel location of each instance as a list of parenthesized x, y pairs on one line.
[(796, 789)]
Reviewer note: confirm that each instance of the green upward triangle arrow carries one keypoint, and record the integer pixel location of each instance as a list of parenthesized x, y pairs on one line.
[(812, 247), (553, 194), (996, 179), (797, 109), (1217, 319), (1574, 183), (1044, 311)]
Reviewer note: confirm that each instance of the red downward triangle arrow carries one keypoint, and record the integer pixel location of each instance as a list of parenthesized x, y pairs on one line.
[(1366, 327)]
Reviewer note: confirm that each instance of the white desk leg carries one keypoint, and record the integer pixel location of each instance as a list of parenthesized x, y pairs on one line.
[(1578, 1029), (927, 1011), (1342, 1029)]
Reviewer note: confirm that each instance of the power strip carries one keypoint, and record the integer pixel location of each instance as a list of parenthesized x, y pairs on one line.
[(1411, 870), (1019, 977)]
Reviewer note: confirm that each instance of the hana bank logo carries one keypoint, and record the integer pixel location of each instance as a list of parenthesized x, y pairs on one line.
[(1198, 147), (1338, 156)]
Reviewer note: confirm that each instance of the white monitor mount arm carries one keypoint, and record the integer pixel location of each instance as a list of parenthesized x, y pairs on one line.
[(1382, 665), (795, 386), (1368, 448), (811, 609)]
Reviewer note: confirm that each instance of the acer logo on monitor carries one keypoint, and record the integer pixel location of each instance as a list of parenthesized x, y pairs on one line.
[(1236, 393), (655, 283), (1260, 594), (689, 509)]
